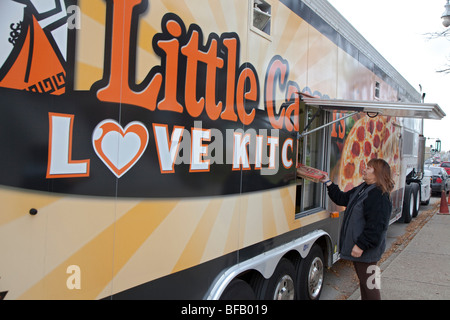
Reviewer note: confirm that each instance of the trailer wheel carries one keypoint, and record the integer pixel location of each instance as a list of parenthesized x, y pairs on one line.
[(280, 286), (416, 195), (238, 290), (310, 275), (408, 205)]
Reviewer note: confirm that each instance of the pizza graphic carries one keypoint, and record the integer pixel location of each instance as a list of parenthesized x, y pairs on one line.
[(369, 138)]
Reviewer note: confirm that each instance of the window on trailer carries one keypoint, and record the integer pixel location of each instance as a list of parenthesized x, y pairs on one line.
[(312, 149), (261, 12)]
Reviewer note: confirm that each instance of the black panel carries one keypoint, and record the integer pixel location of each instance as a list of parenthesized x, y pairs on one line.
[(24, 135)]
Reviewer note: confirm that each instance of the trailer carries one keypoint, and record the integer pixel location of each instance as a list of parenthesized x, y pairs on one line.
[(150, 147)]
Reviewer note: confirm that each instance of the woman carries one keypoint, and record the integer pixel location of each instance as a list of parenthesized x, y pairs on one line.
[(366, 219)]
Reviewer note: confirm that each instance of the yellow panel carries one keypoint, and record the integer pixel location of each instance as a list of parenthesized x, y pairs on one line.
[(16, 203)]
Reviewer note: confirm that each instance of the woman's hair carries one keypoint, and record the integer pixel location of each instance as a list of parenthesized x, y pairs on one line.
[(382, 172)]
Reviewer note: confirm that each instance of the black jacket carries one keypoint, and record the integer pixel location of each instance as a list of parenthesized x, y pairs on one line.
[(366, 220)]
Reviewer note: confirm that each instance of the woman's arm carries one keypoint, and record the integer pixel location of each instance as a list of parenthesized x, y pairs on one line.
[(336, 195)]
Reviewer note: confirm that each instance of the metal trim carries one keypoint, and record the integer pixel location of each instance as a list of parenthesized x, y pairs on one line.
[(396, 109), (264, 263)]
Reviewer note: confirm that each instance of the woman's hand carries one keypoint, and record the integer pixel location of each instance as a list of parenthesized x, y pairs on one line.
[(357, 251), (326, 180)]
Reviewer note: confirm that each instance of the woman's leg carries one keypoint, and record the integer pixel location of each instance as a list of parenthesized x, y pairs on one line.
[(368, 283)]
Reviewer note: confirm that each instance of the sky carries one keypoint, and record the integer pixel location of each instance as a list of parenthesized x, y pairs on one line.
[(397, 30)]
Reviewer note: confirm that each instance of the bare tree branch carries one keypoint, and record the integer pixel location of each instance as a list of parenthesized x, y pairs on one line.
[(436, 35), (445, 71)]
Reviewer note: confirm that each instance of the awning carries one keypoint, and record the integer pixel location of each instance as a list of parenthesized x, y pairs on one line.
[(394, 109)]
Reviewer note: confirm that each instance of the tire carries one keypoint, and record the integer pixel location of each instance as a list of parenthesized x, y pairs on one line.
[(416, 195), (280, 286), (310, 275), (408, 205), (238, 290)]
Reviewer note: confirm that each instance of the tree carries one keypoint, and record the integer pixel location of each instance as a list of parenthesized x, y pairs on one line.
[(436, 35)]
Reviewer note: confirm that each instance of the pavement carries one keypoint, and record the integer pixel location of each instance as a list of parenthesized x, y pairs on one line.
[(420, 270)]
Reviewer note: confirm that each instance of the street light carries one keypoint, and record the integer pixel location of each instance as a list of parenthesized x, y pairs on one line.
[(446, 15)]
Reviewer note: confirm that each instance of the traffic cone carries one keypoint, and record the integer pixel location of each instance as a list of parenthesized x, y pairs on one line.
[(444, 205)]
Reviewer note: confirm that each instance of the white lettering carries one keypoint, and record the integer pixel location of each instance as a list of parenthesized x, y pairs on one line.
[(193, 310), (287, 163), (273, 143), (167, 150), (199, 149), (74, 17), (60, 163), (240, 154), (74, 280), (374, 281)]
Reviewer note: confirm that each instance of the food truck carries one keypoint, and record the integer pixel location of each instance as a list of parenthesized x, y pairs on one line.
[(150, 147)]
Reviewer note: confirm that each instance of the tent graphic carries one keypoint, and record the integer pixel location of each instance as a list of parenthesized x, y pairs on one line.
[(35, 63)]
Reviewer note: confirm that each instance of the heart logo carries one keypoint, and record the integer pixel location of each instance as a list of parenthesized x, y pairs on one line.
[(119, 148)]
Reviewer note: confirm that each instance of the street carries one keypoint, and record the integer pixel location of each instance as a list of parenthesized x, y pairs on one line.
[(341, 281)]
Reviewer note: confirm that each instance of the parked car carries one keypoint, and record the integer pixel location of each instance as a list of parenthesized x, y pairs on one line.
[(446, 166), (440, 180), (426, 187), (432, 162)]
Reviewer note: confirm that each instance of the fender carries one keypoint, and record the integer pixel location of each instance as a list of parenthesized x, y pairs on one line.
[(266, 262)]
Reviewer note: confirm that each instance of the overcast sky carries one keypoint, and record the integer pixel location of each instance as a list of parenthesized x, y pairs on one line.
[(397, 28)]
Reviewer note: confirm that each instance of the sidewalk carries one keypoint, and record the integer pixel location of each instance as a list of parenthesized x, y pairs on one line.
[(421, 271)]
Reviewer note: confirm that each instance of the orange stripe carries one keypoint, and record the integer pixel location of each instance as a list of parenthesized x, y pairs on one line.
[(135, 227), (233, 239), (87, 75), (243, 219), (193, 252), (95, 9)]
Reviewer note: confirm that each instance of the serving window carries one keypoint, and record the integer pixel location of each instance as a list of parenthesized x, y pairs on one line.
[(312, 149)]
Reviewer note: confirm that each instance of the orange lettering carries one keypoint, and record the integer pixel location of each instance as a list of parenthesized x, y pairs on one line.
[(293, 109), (250, 94), (193, 106), (213, 62), (118, 89), (229, 113), (194, 56), (182, 55), (276, 69), (171, 49)]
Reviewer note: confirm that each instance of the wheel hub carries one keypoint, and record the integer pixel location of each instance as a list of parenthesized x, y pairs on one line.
[(285, 289), (315, 278)]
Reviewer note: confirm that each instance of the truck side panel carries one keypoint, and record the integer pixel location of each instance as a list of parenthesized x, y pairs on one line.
[(153, 145)]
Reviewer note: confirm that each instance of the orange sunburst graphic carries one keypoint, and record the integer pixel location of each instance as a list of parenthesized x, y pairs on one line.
[(37, 68)]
